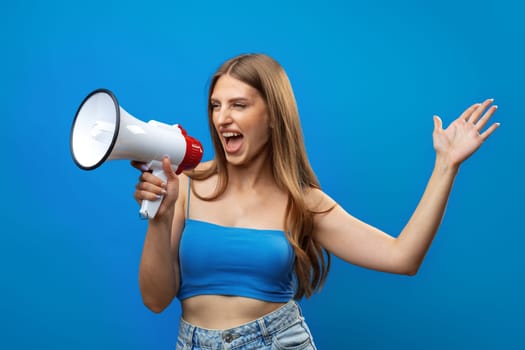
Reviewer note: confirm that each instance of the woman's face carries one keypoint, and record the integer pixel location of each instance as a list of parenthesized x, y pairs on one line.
[(241, 119)]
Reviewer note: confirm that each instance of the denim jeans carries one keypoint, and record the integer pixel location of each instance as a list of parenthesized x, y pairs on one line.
[(282, 329)]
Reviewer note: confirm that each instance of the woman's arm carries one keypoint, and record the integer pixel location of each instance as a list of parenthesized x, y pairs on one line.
[(159, 270), (359, 243)]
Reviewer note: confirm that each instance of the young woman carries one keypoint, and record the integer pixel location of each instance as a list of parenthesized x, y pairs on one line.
[(241, 237)]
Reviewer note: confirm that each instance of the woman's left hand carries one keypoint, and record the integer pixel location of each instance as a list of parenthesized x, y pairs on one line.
[(464, 136)]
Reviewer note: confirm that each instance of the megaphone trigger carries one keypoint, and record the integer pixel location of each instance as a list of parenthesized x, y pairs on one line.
[(148, 209)]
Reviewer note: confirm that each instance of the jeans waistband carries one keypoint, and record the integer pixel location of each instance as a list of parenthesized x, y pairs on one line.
[(263, 327)]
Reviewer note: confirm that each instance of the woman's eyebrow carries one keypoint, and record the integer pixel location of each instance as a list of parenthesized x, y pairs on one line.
[(233, 99), (238, 99)]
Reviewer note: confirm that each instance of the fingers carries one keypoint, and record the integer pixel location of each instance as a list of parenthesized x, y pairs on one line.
[(141, 195), (478, 111), (483, 121), (139, 165), (157, 184), (468, 112), (438, 124), (168, 169), (478, 115), (485, 135), (149, 187), (150, 179), (481, 116)]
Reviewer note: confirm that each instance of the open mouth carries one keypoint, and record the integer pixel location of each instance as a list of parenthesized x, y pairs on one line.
[(233, 141)]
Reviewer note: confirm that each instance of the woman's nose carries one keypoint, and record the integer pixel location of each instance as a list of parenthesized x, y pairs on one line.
[(223, 116)]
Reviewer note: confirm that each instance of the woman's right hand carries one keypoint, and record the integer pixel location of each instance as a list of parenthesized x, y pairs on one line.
[(151, 187)]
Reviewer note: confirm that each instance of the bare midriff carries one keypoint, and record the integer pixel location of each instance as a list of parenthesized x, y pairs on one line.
[(224, 312)]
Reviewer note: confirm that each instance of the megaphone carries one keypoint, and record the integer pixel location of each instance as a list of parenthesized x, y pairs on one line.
[(102, 130)]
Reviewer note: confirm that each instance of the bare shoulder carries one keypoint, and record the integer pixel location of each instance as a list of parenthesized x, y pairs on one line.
[(203, 177), (318, 201)]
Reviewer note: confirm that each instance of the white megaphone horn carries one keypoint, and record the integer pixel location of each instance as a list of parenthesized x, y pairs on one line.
[(102, 130)]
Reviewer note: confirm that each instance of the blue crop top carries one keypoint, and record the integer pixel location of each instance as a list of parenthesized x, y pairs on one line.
[(253, 263)]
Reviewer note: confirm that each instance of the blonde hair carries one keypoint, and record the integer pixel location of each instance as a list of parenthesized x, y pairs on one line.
[(290, 166)]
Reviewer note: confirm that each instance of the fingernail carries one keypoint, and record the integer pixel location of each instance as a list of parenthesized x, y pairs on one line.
[(144, 167), (163, 191), (159, 196), (495, 106), (163, 185)]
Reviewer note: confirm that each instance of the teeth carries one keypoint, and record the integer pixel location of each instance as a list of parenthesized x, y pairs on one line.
[(230, 134)]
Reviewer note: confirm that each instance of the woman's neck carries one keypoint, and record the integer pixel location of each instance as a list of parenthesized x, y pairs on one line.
[(257, 174)]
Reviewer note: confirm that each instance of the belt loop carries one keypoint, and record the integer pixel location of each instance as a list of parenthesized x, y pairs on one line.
[(266, 337), (192, 338), (297, 310)]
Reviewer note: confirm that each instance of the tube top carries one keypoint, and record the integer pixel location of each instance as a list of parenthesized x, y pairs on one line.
[(221, 260)]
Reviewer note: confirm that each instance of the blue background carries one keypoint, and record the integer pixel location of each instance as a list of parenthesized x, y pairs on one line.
[(368, 76)]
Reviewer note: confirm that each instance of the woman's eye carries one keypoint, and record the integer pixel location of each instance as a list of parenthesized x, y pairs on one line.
[(239, 105), (214, 106)]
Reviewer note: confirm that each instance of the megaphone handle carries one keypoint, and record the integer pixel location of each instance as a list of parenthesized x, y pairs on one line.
[(149, 209)]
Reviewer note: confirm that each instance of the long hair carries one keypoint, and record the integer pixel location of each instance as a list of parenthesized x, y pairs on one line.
[(290, 166)]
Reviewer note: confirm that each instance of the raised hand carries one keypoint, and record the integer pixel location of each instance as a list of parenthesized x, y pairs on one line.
[(465, 134)]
